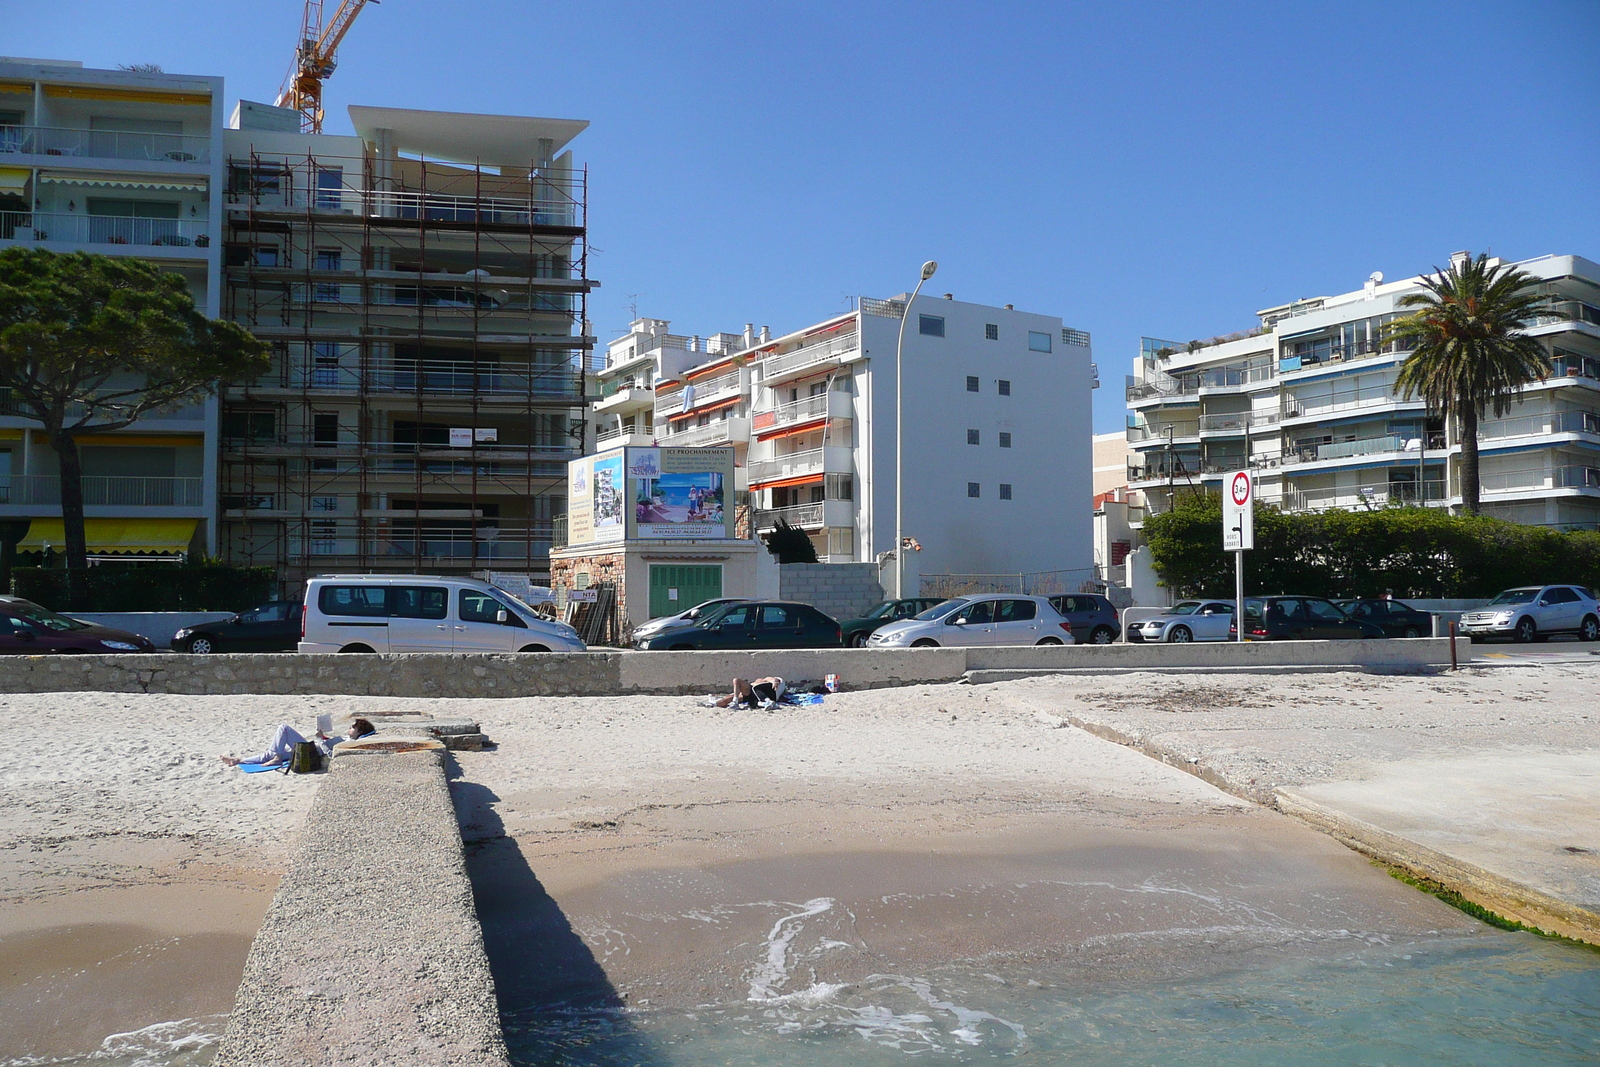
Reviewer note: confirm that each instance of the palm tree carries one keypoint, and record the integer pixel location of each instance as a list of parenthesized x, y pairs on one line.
[(1468, 348)]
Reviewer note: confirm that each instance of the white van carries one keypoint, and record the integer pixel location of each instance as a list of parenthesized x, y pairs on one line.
[(422, 613)]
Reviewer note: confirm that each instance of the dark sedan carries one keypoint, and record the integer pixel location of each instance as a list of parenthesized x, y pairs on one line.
[(1396, 619), (856, 631), (28, 629), (273, 627), (752, 624), (1300, 618)]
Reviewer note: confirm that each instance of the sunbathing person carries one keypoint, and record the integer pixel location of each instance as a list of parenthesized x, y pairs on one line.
[(763, 692), (287, 737)]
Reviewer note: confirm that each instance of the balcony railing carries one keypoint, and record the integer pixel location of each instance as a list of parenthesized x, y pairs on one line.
[(803, 515), (103, 229), (1189, 385), (705, 392), (1235, 377), (1316, 355), (1160, 432), (1238, 422), (104, 144), (806, 409), (1401, 492), (1162, 468), (430, 207), (724, 431), (429, 377), (800, 464), (1535, 425), (1371, 396), (774, 367), (625, 435), (615, 386), (1536, 478), (106, 492)]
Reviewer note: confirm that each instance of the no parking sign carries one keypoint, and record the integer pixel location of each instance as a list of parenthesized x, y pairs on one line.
[(1238, 512)]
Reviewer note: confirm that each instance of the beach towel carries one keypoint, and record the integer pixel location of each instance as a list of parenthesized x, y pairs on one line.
[(257, 768)]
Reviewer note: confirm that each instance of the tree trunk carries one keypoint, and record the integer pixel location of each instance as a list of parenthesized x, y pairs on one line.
[(1470, 491), (77, 547)]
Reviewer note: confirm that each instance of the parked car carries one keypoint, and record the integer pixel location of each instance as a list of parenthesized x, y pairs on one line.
[(1397, 619), (1188, 620), (1301, 618), (272, 627), (752, 624), (29, 629), (655, 626), (1534, 612), (856, 631), (979, 620), (423, 613), (1094, 620)]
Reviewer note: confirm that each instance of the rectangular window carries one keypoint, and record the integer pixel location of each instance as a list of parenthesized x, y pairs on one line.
[(839, 487), (972, 437), (324, 503), (1004, 386), (973, 385), (328, 259), (1005, 440), (264, 256), (325, 363), (325, 429), (972, 489), (324, 543), (930, 325), (1038, 342), (330, 187), (250, 425), (418, 601), (1005, 490), (367, 600), (991, 331)]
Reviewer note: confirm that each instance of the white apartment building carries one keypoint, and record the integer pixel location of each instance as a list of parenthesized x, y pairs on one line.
[(117, 163), (648, 354), (1307, 399), (996, 448)]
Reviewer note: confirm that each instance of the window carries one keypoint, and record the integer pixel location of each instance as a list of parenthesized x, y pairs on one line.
[(930, 325), (473, 606), (324, 503), (991, 331), (972, 489), (418, 601), (1324, 611), (266, 613), (776, 616), (1038, 342), (839, 487), (264, 255), (973, 385), (979, 613), (330, 186), (250, 425), (1015, 611), (1005, 490), (325, 362), (1004, 387), (972, 437), (1005, 440), (325, 429), (328, 259), (366, 600)]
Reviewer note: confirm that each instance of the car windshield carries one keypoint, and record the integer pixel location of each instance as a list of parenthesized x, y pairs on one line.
[(710, 615), (886, 608), (701, 610), (50, 620), (1252, 609), (941, 609), (1515, 596), (1184, 607)]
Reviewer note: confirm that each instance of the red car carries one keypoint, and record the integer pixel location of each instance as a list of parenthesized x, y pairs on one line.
[(30, 630)]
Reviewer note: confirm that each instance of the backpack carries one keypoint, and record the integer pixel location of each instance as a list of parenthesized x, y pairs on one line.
[(307, 758)]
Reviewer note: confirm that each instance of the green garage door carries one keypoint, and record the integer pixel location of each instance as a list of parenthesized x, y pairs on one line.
[(675, 588)]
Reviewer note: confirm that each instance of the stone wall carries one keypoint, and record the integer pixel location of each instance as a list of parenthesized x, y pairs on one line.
[(843, 590), (602, 567)]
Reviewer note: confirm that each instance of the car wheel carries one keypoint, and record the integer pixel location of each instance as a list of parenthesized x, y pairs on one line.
[(200, 646), (356, 648), (1412, 631), (858, 640), (1589, 629), (533, 648), (1048, 641), (1180, 635), (1103, 635), (925, 642), (1526, 631)]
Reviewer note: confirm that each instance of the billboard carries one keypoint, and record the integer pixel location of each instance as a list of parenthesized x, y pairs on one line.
[(580, 505), (650, 493), (609, 491)]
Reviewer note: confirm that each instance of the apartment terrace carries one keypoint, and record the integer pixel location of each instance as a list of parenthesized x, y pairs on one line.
[(813, 516), (734, 430), (795, 415), (812, 355), (810, 464), (1365, 496), (1237, 424), (120, 492), (697, 395)]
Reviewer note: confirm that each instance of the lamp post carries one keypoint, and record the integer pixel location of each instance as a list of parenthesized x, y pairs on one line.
[(899, 437)]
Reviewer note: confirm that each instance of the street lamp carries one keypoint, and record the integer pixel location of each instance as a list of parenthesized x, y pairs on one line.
[(899, 437)]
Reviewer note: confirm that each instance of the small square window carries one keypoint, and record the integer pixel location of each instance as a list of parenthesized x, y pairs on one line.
[(991, 331), (1005, 440), (972, 383), (972, 489), (930, 325), (1005, 387), (1038, 342), (1005, 490), (972, 437)]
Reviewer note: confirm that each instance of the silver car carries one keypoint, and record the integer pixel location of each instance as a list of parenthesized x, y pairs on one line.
[(1534, 612), (979, 620), (1189, 620)]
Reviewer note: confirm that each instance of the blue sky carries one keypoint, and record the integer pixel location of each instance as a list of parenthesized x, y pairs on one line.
[(1157, 168)]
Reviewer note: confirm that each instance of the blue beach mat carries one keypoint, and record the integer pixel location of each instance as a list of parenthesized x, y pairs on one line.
[(257, 768)]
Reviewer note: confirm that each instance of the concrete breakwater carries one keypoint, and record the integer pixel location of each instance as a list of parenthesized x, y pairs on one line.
[(610, 673)]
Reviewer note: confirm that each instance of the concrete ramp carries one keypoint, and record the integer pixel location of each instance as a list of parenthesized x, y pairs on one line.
[(371, 953)]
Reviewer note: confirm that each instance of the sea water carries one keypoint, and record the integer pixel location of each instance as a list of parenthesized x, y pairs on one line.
[(1486, 999)]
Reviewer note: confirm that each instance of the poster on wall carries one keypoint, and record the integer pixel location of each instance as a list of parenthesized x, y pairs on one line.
[(609, 492), (580, 516), (687, 497)]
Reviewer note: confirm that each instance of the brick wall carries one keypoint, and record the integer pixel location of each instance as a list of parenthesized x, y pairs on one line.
[(843, 590), (602, 567)]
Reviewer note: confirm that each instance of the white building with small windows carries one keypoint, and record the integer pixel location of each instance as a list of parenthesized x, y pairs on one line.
[(996, 446)]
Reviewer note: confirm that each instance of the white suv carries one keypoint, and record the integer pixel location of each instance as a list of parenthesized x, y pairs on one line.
[(1534, 612), (422, 613)]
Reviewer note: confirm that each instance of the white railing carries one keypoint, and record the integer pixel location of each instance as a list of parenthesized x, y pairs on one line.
[(1238, 422), (809, 355), (705, 392), (605, 438), (794, 515), (1179, 430), (432, 207), (1532, 478), (103, 229), (797, 411), (106, 492), (720, 432), (1364, 446), (793, 465), (1362, 496), (1535, 425), (1295, 407), (104, 144)]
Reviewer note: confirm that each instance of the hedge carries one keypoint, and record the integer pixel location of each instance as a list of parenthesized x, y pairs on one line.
[(1407, 551), (113, 588)]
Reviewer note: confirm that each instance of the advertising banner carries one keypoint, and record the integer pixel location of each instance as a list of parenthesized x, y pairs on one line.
[(680, 493), (580, 505), (609, 494)]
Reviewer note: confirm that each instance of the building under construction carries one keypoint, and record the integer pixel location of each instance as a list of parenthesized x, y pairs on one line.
[(423, 286)]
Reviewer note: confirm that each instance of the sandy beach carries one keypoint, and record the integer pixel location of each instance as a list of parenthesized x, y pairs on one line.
[(654, 853)]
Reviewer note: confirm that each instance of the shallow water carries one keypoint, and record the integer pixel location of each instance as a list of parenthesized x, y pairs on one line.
[(178, 1043), (1488, 999)]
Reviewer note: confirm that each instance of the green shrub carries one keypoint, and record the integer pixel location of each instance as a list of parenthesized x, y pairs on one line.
[(1409, 551), (207, 587)]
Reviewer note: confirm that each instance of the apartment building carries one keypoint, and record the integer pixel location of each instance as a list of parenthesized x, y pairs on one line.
[(1307, 400), (648, 354), (118, 163), (996, 444), (423, 285)]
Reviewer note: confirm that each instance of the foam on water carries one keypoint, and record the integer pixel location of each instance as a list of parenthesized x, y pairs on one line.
[(178, 1043)]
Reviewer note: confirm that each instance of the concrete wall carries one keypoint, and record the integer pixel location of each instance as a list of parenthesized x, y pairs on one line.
[(843, 590)]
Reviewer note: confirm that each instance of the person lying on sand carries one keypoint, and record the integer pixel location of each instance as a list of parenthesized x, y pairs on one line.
[(287, 737), (761, 693)]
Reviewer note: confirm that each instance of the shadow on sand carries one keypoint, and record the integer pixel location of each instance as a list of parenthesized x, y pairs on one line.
[(556, 1004)]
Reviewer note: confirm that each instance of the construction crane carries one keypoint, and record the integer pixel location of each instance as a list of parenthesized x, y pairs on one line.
[(315, 60)]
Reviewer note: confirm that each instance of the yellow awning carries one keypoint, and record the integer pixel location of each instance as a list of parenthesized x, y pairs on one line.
[(14, 179), (115, 536)]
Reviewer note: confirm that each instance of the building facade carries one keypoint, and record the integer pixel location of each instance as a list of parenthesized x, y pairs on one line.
[(1307, 400), (118, 163)]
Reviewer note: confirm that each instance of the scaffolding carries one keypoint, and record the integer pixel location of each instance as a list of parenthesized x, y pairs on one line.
[(429, 325)]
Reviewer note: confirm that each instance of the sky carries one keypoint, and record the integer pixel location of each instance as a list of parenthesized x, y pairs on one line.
[(1140, 169)]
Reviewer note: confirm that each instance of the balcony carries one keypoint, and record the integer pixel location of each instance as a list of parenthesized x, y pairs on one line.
[(814, 461), (1540, 479), (814, 516), (699, 394), (830, 406), (75, 228), (45, 490), (1366, 496), (617, 438), (1587, 422), (1362, 399), (1180, 431), (1237, 424), (808, 358), (1161, 469), (488, 212), (734, 431), (103, 144), (430, 378), (1318, 354), (1233, 379), (1163, 389), (625, 396), (1364, 446)]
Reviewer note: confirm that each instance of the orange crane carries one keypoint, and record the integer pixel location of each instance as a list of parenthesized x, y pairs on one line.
[(315, 60)]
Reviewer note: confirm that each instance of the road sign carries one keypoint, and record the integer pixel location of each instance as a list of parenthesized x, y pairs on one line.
[(1238, 512)]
